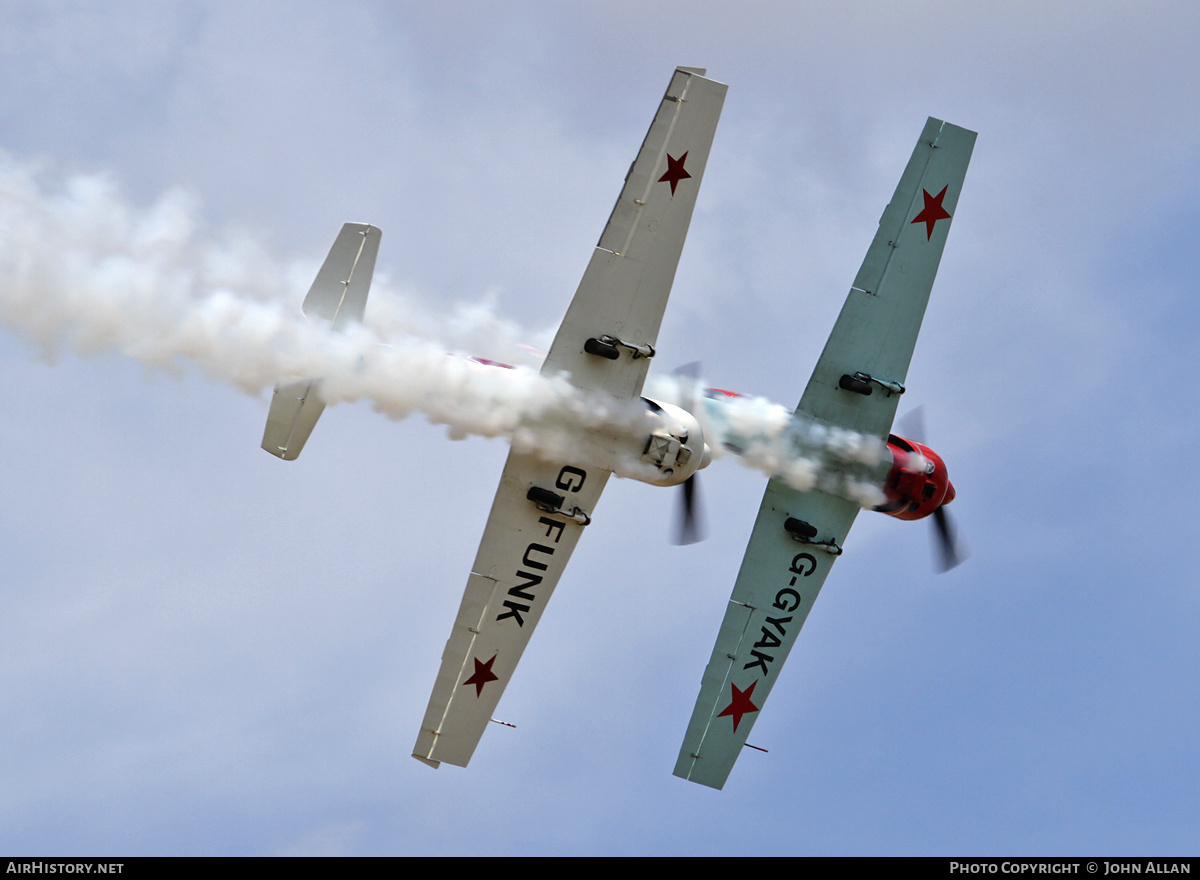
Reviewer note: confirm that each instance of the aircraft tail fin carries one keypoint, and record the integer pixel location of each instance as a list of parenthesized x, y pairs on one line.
[(339, 293), (338, 297)]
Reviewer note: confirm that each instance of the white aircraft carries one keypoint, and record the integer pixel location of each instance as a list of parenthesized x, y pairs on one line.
[(604, 346)]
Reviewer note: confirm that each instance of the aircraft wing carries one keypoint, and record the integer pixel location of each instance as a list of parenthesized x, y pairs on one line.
[(856, 385), (624, 291), (525, 547), (775, 589), (605, 344), (877, 329)]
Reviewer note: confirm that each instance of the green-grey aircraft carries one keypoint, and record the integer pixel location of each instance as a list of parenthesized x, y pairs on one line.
[(856, 386)]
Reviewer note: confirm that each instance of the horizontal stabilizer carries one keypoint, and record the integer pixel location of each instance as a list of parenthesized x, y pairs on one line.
[(338, 297), (295, 408)]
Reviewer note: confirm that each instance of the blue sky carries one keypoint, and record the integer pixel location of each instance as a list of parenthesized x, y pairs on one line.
[(205, 650)]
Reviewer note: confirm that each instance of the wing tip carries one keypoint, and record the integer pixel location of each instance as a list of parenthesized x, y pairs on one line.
[(691, 767), (281, 452), (427, 761), (938, 126), (713, 784)]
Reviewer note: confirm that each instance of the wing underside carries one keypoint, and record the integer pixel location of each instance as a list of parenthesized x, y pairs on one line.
[(876, 331), (624, 290), (541, 507), (526, 546), (775, 589)]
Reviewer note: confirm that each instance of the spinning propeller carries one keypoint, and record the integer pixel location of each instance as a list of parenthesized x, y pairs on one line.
[(950, 550), (689, 528)]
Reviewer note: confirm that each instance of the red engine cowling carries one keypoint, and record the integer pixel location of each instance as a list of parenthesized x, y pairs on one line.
[(917, 484)]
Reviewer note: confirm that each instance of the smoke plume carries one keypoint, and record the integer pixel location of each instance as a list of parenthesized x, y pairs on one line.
[(81, 270)]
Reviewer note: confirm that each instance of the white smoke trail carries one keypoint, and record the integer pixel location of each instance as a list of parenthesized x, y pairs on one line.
[(769, 438), (82, 270)]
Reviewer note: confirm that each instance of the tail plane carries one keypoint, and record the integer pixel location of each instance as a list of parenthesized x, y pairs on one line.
[(337, 299)]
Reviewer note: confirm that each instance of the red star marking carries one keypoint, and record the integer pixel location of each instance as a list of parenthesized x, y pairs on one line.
[(741, 704), (675, 171), (933, 211), (483, 674)]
